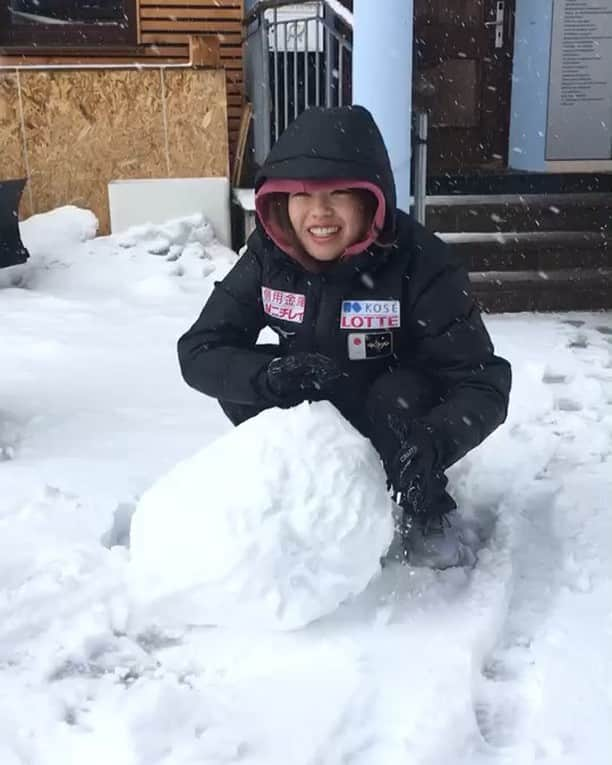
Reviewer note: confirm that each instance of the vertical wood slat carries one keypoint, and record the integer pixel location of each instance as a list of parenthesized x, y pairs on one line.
[(26, 157), (160, 23)]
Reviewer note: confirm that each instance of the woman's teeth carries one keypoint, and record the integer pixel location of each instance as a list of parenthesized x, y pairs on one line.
[(324, 230)]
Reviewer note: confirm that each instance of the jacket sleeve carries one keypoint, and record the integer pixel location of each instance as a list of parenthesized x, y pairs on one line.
[(217, 355), (451, 344)]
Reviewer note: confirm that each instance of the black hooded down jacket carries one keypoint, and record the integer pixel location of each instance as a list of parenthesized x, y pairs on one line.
[(405, 305)]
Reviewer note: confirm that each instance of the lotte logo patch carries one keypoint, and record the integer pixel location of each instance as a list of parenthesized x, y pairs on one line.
[(370, 314)]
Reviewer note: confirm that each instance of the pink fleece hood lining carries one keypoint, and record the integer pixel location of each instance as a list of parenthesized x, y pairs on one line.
[(286, 186)]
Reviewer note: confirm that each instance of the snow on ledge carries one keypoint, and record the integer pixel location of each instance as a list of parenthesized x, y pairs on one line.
[(340, 11)]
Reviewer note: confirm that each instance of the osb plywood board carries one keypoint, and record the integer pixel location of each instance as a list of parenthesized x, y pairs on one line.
[(85, 128), (196, 109), (12, 160)]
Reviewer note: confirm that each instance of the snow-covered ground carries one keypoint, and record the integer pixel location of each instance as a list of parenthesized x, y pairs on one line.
[(510, 662)]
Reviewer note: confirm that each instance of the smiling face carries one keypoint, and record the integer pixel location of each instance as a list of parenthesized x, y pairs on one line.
[(326, 223)]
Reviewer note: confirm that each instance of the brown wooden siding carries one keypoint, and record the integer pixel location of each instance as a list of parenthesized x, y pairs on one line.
[(164, 31)]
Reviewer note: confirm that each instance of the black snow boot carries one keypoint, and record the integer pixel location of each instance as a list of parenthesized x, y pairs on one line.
[(431, 534)]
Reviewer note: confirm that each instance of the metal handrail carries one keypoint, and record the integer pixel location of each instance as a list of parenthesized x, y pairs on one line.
[(324, 23), (295, 63), (264, 5), (290, 75)]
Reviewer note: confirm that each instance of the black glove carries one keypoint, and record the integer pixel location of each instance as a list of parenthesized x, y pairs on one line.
[(300, 375), (413, 466)]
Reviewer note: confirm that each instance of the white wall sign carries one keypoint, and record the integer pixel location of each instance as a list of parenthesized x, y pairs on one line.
[(580, 87)]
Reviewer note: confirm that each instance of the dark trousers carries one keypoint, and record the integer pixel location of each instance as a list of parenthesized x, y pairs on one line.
[(403, 391)]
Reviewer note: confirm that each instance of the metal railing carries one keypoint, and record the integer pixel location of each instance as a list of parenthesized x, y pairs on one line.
[(298, 55)]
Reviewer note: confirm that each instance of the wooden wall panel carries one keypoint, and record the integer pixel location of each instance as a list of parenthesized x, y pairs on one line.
[(197, 124), (13, 162), (165, 27), (84, 128), (12, 159)]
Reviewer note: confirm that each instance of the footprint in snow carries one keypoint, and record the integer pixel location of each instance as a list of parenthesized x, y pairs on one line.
[(553, 378), (503, 705), (568, 405), (506, 688), (580, 341)]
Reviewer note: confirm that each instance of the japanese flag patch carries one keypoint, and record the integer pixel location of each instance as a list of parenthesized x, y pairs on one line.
[(288, 306), (369, 345)]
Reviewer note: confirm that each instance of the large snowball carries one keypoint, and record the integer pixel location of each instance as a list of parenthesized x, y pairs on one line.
[(271, 526)]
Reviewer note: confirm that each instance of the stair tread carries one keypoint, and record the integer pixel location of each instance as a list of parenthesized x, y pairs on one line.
[(514, 237), (545, 201), (556, 275)]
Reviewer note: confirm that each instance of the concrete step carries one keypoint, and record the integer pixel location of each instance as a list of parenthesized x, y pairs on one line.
[(520, 213), (535, 252), (518, 182), (573, 289), (532, 251)]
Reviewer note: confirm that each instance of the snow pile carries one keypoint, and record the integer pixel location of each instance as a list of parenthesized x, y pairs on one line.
[(59, 229), (188, 242), (47, 237), (298, 525), (510, 662), (145, 263)]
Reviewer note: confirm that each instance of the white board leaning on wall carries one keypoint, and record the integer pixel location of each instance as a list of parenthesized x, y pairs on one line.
[(138, 201)]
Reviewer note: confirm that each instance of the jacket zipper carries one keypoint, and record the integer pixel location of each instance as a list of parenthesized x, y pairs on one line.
[(316, 283)]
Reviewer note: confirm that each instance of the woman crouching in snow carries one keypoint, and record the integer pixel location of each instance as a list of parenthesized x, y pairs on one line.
[(372, 313)]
